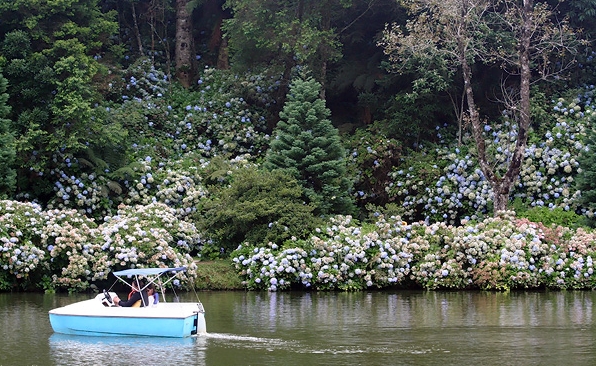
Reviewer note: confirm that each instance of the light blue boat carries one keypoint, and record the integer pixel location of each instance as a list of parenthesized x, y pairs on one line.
[(94, 318)]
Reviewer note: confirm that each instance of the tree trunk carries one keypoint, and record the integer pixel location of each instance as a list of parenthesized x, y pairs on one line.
[(324, 49), (502, 186), (223, 59), (523, 111), (136, 29), (474, 116), (501, 191), (185, 62)]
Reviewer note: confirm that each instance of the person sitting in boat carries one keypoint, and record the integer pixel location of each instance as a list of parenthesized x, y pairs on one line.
[(136, 298), (152, 294)]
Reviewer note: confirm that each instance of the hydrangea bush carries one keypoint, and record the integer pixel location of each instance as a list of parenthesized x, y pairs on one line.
[(499, 253), (65, 249), (172, 134), (20, 229), (217, 119), (450, 186)]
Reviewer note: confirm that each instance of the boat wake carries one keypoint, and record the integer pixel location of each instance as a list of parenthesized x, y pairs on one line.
[(273, 344), (239, 339)]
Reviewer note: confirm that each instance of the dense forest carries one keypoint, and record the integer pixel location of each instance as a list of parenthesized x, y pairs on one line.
[(432, 143)]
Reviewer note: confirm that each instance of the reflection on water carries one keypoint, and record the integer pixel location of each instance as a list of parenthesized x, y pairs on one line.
[(416, 309), (375, 328), (88, 350), (423, 328)]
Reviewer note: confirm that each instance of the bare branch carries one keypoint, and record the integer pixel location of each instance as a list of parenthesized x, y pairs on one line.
[(370, 5)]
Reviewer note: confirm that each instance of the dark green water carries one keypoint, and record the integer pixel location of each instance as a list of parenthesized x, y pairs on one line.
[(378, 328)]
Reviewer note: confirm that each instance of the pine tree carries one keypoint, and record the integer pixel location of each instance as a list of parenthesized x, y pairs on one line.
[(7, 148), (308, 147)]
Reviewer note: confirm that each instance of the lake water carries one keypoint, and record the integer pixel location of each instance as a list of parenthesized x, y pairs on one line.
[(301, 328)]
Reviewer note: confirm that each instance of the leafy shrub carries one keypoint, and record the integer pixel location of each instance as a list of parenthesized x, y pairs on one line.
[(258, 206), (373, 155), (556, 216)]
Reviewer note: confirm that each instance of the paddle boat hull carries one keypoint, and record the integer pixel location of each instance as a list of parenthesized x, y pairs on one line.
[(91, 317)]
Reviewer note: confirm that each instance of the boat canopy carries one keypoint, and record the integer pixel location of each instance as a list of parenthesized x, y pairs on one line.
[(153, 275), (147, 271)]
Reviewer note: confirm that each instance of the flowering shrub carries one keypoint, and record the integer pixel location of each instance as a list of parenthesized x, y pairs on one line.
[(451, 186), (494, 254), (88, 193), (371, 158), (159, 216), (174, 184), (216, 119), (266, 270), (148, 236), (65, 249), (20, 229), (171, 134), (67, 237)]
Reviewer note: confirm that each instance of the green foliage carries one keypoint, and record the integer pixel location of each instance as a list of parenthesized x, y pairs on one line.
[(7, 146), (160, 141), (542, 117), (53, 49), (30, 73), (6, 281), (459, 189), (307, 146), (71, 106), (586, 179), (210, 251), (16, 45), (374, 154), (414, 112), (217, 275), (549, 217), (48, 21), (280, 34), (418, 171), (217, 117), (580, 14), (258, 206)]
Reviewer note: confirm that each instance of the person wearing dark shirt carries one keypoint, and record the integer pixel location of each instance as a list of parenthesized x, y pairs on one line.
[(134, 297)]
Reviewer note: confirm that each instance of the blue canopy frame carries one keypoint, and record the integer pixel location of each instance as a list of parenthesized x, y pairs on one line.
[(147, 271), (152, 275)]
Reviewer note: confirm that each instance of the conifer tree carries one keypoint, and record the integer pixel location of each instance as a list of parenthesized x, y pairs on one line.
[(7, 147), (308, 147)]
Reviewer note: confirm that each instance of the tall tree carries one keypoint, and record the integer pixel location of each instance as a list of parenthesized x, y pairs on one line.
[(308, 147), (519, 36), (53, 49), (185, 54), (282, 34)]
